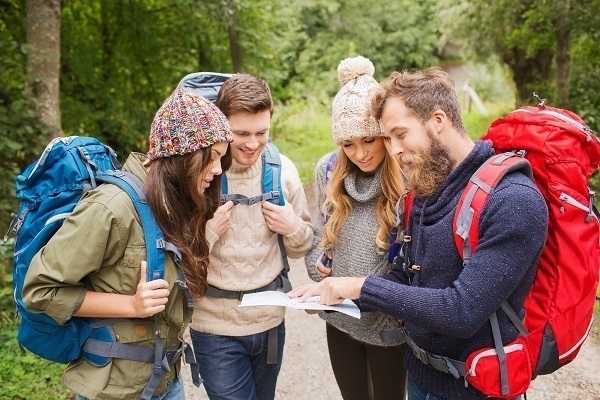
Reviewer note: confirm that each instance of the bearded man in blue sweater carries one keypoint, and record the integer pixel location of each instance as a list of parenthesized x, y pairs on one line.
[(445, 306)]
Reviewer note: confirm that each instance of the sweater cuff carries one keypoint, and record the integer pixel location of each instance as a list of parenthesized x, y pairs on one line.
[(65, 302), (211, 238), (298, 234), (375, 294)]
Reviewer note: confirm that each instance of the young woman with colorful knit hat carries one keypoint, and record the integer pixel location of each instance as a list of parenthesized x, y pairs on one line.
[(95, 265), (357, 189)]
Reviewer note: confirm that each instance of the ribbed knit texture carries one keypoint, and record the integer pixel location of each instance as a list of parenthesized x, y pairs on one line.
[(446, 310), (356, 254), (247, 256)]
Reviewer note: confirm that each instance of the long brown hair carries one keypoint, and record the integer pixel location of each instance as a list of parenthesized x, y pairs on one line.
[(182, 212), (338, 205)]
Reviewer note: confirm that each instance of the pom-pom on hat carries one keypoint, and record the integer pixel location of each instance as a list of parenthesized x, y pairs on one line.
[(186, 123), (351, 105)]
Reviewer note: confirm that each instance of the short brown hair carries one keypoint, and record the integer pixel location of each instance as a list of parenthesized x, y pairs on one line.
[(244, 93), (423, 92)]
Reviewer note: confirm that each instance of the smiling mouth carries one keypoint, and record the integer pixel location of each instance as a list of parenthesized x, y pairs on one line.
[(248, 152), (364, 162)]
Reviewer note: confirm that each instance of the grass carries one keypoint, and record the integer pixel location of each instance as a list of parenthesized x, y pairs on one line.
[(303, 133), (27, 376)]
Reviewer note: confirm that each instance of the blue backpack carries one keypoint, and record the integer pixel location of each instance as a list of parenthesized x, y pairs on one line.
[(49, 190)]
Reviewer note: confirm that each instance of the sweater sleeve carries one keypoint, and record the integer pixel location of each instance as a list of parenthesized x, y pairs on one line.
[(298, 243), (315, 254), (513, 228)]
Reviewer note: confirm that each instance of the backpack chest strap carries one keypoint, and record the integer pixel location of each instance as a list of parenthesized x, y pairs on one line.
[(248, 201)]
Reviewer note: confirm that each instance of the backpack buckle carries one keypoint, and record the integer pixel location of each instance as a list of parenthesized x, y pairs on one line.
[(541, 102)]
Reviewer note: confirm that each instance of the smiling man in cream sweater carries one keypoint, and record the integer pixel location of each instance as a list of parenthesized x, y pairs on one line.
[(239, 350)]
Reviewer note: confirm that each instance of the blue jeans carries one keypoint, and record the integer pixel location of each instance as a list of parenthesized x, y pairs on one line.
[(174, 392), (235, 367), (417, 392)]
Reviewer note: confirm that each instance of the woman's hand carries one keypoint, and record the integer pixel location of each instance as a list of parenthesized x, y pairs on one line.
[(221, 221), (150, 297), (324, 265)]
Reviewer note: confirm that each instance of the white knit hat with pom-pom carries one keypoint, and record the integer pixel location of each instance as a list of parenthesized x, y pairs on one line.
[(350, 109)]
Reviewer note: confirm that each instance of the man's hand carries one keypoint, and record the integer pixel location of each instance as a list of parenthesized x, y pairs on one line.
[(332, 290), (221, 221), (150, 297), (280, 219)]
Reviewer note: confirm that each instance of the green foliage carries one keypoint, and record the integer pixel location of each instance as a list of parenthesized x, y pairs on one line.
[(27, 376), (303, 133), (477, 124), (7, 303), (392, 34), (20, 133)]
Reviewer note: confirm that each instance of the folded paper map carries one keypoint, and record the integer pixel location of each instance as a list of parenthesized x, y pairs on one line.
[(272, 298)]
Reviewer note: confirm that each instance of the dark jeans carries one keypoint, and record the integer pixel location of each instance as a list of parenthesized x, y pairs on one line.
[(235, 367), (365, 371)]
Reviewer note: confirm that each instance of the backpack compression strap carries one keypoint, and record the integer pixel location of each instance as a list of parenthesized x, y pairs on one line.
[(131, 185)]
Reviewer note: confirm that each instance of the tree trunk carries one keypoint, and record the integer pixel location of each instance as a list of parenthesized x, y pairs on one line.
[(43, 60), (530, 74), (234, 42), (563, 55)]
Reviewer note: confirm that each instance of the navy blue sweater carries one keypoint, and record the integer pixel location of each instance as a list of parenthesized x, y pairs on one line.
[(447, 307)]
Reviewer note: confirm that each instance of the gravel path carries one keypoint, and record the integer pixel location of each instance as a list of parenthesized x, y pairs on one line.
[(306, 372)]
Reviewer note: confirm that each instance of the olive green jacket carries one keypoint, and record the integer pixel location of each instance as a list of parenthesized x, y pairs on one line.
[(99, 248)]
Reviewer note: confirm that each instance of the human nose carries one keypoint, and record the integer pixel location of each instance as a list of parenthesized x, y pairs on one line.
[(216, 168), (361, 152), (252, 143), (396, 147)]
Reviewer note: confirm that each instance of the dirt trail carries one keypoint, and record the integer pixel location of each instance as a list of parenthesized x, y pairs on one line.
[(306, 371)]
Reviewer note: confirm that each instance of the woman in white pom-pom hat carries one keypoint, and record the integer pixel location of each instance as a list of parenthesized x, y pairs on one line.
[(358, 187)]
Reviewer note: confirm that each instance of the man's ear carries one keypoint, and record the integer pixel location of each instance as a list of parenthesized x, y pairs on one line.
[(439, 120)]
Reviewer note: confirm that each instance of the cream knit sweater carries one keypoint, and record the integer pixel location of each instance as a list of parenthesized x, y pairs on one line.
[(247, 256)]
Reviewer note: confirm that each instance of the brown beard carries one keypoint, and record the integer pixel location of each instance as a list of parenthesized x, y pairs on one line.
[(428, 169)]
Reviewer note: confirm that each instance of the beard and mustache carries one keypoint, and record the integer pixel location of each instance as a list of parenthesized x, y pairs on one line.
[(429, 167)]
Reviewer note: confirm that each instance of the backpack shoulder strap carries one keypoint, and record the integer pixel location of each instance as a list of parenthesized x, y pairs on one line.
[(476, 194), (271, 179), (156, 244)]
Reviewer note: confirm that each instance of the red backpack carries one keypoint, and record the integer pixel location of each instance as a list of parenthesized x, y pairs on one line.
[(560, 153)]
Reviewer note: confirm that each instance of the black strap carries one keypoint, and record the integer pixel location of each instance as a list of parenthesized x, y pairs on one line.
[(218, 293), (273, 345), (440, 363)]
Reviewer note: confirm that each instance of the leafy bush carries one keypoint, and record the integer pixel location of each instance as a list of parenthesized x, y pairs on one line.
[(27, 376)]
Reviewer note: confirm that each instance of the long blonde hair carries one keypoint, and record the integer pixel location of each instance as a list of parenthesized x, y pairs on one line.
[(338, 205)]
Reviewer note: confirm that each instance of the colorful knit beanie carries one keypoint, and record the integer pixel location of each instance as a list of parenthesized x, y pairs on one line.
[(185, 123), (350, 109)]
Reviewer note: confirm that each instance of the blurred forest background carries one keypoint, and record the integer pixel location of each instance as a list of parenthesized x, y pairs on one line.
[(102, 68)]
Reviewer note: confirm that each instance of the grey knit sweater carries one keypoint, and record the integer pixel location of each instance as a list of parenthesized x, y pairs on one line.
[(356, 253)]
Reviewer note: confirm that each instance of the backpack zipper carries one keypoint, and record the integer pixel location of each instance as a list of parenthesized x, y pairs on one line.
[(570, 200), (582, 128), (492, 352)]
